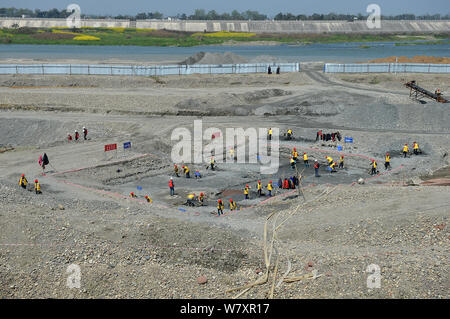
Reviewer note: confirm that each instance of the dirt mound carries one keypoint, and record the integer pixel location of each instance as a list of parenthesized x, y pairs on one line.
[(415, 59), (214, 58)]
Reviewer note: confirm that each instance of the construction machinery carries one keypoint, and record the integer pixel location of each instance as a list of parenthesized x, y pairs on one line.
[(417, 92)]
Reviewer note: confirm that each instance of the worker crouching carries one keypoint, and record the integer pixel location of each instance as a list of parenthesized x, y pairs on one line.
[(37, 187), (232, 205)]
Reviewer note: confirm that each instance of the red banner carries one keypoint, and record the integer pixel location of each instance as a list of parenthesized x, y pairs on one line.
[(110, 147)]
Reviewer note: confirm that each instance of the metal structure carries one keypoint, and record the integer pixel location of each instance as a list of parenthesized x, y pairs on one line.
[(141, 70), (416, 92)]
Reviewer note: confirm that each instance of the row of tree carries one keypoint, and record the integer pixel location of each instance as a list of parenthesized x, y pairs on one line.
[(200, 14)]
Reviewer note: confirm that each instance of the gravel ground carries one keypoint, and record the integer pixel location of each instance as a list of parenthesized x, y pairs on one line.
[(130, 249)]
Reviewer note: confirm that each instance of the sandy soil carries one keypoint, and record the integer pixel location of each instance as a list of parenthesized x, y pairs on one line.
[(129, 248)]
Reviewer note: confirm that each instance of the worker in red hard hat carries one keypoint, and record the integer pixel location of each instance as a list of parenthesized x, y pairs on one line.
[(219, 207), (175, 169), (132, 195), (246, 189), (201, 198), (232, 204), (23, 181), (259, 188), (37, 187)]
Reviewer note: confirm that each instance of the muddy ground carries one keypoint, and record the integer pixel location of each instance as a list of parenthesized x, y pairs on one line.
[(130, 248)]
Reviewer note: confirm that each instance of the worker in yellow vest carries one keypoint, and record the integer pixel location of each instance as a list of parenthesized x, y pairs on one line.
[(37, 187), (190, 199), (269, 188), (341, 161), (416, 148), (305, 159), (294, 155), (232, 204), (405, 150), (148, 199), (329, 159), (387, 161), (259, 188), (291, 160), (23, 181), (289, 134), (246, 191), (219, 207), (270, 134), (132, 195), (333, 167), (186, 171), (374, 168)]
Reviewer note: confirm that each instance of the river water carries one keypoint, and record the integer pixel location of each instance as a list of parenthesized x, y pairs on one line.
[(335, 52)]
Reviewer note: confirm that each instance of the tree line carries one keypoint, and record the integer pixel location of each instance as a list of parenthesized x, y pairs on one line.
[(201, 14)]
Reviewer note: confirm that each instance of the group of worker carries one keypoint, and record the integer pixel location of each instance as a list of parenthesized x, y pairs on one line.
[(328, 136), (23, 182), (147, 198), (416, 149), (77, 135), (187, 171)]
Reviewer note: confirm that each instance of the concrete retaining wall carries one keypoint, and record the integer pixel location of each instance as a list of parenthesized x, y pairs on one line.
[(299, 26), (438, 26), (52, 23)]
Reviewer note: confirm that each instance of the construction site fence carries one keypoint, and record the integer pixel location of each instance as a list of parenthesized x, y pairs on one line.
[(386, 68), (136, 70)]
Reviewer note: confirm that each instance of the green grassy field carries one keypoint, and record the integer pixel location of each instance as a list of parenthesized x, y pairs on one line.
[(148, 37)]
